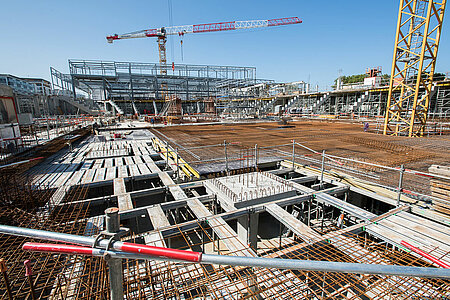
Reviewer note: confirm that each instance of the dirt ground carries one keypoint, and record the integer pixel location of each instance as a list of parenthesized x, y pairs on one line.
[(340, 139)]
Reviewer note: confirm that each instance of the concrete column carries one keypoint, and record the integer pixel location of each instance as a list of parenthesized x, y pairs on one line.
[(115, 264), (247, 229)]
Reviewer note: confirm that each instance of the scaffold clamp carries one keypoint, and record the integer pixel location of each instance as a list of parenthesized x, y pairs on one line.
[(111, 237)]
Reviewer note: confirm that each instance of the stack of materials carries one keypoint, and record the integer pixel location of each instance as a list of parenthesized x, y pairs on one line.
[(440, 188)]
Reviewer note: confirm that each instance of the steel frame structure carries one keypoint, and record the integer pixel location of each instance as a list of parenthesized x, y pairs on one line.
[(416, 45)]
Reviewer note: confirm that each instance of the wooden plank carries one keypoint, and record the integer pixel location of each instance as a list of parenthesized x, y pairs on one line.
[(124, 202), (100, 174), (98, 163), (440, 184), (86, 165), (128, 160), (108, 162), (88, 177), (147, 158), (47, 173), (119, 186), (144, 169), (421, 229), (199, 210), (134, 170), (445, 193), (295, 225), (153, 167), (122, 171), (63, 179), (118, 161), (411, 234), (157, 217), (111, 173), (154, 239), (75, 179), (227, 235), (433, 225)]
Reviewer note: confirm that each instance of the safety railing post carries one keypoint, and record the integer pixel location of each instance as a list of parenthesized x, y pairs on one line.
[(115, 264), (322, 169), (400, 183)]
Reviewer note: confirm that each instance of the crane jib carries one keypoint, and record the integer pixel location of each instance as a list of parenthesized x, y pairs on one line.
[(283, 21), (207, 27), (214, 27)]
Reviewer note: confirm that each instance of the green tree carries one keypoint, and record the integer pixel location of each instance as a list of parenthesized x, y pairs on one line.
[(351, 79)]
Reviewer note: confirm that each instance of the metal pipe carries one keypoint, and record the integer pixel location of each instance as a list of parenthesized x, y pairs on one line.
[(115, 264), (325, 266), (20, 162), (261, 262), (256, 161), (293, 153), (322, 169), (103, 243), (167, 154), (226, 156), (400, 183), (178, 165), (48, 132), (362, 162)]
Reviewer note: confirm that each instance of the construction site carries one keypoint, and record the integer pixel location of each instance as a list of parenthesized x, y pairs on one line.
[(129, 180)]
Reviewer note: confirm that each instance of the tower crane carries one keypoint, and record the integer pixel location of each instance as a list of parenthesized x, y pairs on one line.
[(419, 28), (163, 32)]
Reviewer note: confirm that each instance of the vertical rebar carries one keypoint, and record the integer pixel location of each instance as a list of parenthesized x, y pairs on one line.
[(115, 264), (3, 269), (400, 183), (322, 169), (29, 274)]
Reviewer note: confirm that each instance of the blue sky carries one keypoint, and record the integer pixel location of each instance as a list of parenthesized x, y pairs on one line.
[(335, 35)]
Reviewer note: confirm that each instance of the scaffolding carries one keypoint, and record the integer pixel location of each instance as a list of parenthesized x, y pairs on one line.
[(146, 83)]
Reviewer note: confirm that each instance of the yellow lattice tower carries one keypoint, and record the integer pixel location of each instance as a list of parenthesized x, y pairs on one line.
[(416, 46)]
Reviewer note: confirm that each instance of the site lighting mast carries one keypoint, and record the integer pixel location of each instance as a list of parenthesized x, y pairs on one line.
[(163, 32)]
